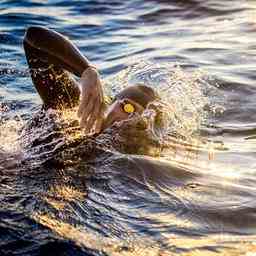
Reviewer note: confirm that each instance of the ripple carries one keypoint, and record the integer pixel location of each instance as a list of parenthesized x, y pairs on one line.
[(60, 195)]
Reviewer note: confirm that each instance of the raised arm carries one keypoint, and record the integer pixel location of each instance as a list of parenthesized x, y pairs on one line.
[(50, 55), (59, 50)]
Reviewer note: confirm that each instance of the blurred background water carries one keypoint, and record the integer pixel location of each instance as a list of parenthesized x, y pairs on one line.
[(198, 196)]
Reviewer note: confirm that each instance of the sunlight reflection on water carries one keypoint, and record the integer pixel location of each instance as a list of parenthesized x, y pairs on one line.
[(194, 196)]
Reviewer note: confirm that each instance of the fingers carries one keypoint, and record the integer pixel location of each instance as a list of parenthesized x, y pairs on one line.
[(98, 125), (82, 106), (87, 91), (101, 110), (89, 85), (92, 106), (99, 121), (85, 114), (89, 108), (95, 119), (89, 124), (92, 117)]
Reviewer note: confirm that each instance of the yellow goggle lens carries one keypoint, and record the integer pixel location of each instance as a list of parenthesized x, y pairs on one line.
[(129, 108)]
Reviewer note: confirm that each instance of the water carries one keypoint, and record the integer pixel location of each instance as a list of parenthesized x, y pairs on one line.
[(195, 196)]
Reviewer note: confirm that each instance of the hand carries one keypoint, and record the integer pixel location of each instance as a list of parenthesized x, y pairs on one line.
[(91, 109)]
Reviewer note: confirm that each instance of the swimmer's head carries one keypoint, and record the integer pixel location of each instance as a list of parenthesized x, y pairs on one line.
[(133, 99)]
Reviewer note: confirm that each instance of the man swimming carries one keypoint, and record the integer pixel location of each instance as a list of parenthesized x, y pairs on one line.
[(52, 57)]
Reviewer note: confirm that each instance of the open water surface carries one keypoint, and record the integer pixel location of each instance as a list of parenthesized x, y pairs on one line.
[(193, 192)]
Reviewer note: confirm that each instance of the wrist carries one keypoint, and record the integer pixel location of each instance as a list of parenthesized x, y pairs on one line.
[(90, 67), (89, 70)]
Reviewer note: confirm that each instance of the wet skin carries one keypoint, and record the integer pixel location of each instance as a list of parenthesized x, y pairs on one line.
[(94, 117), (51, 57)]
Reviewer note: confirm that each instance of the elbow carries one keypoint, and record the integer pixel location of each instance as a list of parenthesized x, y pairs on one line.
[(32, 35)]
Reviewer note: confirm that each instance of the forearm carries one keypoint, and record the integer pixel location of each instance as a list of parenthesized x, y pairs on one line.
[(59, 49)]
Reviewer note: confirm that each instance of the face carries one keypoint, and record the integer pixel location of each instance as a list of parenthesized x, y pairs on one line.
[(121, 110)]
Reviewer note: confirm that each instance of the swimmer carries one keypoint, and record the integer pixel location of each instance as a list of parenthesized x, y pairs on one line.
[(52, 60)]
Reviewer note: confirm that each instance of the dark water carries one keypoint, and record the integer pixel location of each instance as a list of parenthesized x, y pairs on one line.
[(196, 196)]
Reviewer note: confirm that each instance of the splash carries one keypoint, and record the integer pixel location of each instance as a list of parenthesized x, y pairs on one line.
[(182, 93), (47, 132), (187, 103), (9, 131)]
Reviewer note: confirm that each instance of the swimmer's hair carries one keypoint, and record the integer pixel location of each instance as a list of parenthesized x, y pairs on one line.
[(139, 93)]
